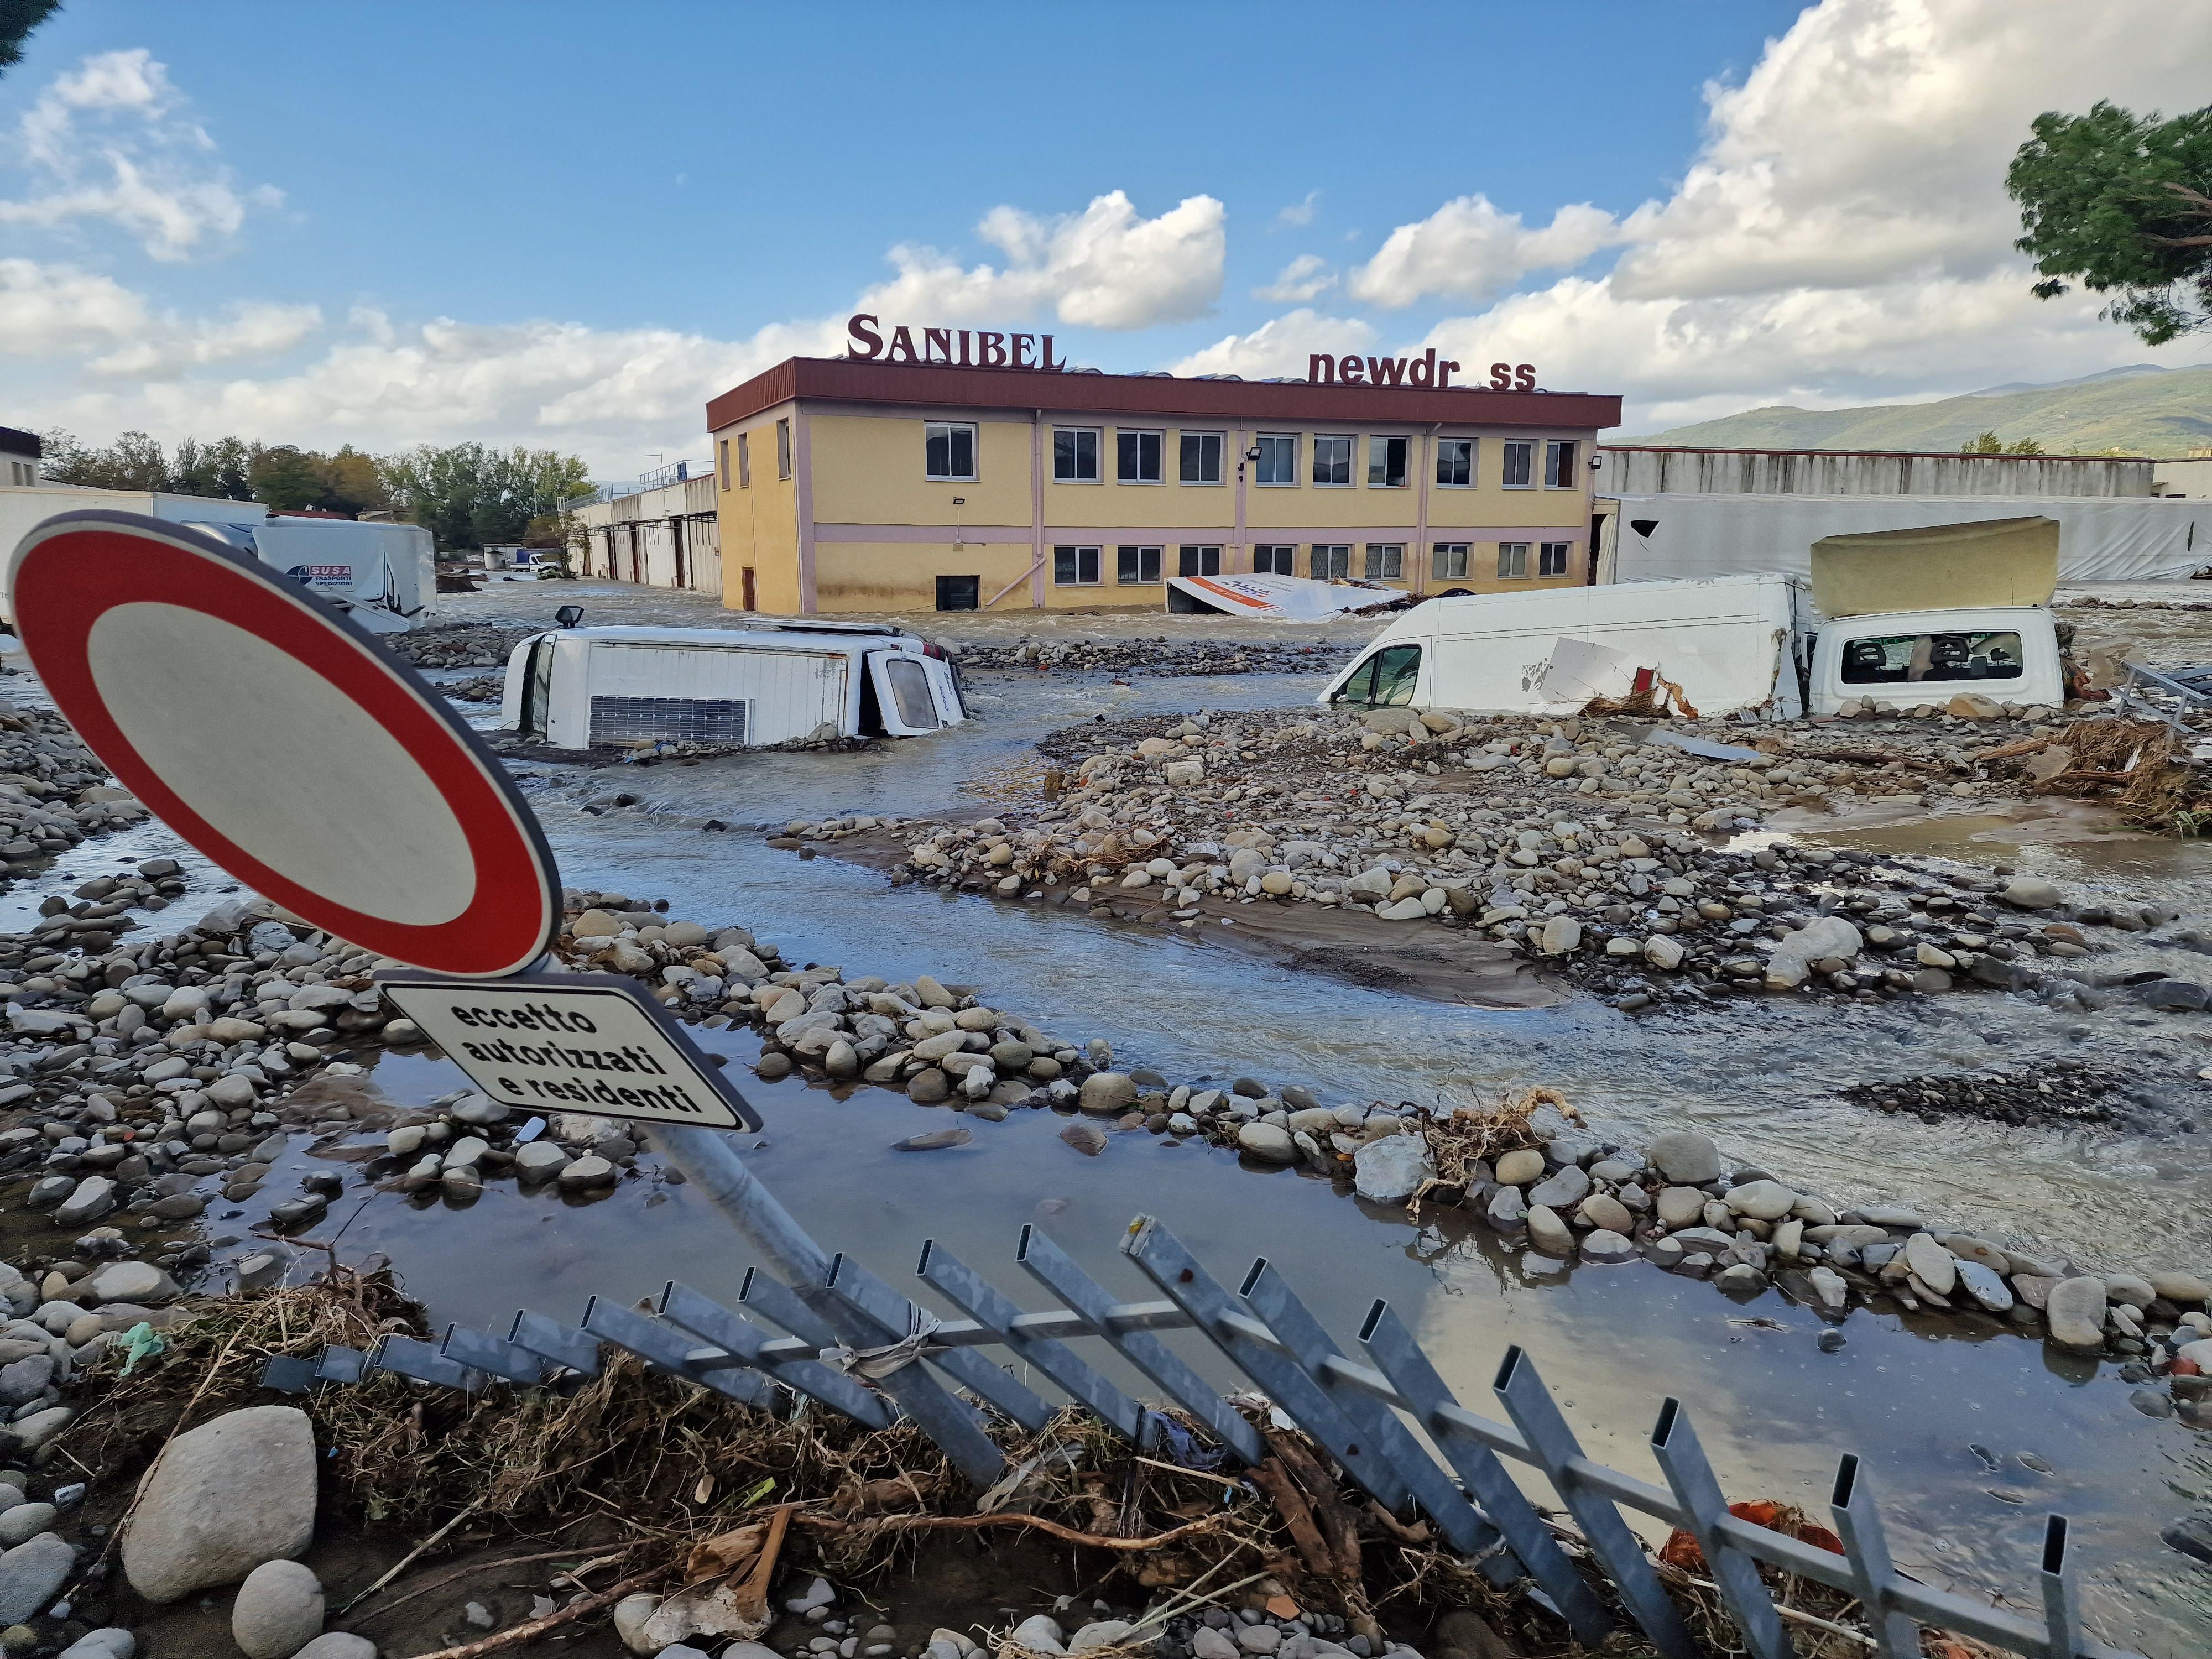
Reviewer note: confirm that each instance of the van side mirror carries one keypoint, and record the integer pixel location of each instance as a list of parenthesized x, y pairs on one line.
[(569, 615)]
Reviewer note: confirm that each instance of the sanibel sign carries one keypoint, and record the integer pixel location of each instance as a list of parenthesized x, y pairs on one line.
[(951, 347)]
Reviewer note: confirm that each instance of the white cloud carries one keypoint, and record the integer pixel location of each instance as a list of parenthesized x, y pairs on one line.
[(1105, 267), (1306, 277), (53, 309), (114, 141), (1279, 346), (167, 349), (1299, 213), (1468, 250)]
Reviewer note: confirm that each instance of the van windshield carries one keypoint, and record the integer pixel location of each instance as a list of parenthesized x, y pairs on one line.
[(1385, 679), (1912, 659)]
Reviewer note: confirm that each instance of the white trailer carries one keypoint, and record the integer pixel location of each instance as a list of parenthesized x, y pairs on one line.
[(578, 687)]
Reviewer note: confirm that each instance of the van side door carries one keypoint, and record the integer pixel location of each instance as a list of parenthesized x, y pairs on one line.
[(904, 698)]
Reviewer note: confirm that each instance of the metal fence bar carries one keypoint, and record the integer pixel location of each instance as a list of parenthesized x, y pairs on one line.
[(1537, 1415), (667, 1348), (770, 1297), (996, 1311), (950, 1421), (2061, 1616), (1866, 1547), (1464, 1528), (411, 1358), (1504, 1502), (564, 1344), (709, 1320), (1682, 1461), (968, 1368), (1049, 1266), (341, 1364), (488, 1353), (1175, 1271)]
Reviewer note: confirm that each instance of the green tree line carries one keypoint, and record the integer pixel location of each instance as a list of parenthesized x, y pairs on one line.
[(466, 495)]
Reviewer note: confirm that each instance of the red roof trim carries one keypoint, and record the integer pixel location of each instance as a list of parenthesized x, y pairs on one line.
[(840, 379)]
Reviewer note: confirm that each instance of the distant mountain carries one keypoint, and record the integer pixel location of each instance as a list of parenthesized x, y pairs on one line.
[(2144, 409)]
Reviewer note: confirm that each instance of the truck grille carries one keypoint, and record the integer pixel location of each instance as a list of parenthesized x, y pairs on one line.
[(677, 719)]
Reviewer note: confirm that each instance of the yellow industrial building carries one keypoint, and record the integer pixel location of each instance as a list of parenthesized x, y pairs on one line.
[(845, 485)]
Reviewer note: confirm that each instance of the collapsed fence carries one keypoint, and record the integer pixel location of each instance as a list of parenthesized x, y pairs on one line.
[(857, 1346)]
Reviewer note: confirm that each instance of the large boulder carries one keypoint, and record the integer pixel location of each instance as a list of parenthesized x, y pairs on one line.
[(1685, 1157), (279, 1610), (2075, 1311), (1391, 1170), (221, 1500), (1818, 940)]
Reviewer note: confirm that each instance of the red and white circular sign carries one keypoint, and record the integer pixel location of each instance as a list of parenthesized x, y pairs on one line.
[(282, 742)]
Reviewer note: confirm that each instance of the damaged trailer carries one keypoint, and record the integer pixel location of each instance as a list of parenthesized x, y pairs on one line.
[(740, 688), (1278, 599)]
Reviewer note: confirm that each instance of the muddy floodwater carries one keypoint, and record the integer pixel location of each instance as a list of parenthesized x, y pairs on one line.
[(1972, 1432)]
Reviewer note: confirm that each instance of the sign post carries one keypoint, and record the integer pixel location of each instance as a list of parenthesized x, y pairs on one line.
[(368, 808)]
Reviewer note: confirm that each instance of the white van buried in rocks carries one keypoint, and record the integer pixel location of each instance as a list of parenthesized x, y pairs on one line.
[(1893, 620), (740, 688)]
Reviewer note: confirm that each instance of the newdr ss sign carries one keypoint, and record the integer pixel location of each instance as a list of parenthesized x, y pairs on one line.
[(569, 1042)]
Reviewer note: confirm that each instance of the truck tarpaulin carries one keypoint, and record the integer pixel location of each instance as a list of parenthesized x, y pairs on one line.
[(1278, 598)]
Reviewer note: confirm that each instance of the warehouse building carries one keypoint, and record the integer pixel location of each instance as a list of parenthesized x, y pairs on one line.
[(990, 477), (664, 531)]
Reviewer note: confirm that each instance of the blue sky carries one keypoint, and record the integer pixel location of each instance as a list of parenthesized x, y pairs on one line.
[(568, 224)]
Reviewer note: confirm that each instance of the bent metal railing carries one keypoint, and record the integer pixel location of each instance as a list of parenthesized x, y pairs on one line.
[(930, 1371)]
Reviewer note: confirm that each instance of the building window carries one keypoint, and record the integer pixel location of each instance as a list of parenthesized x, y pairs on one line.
[(1332, 563), (1386, 561), (1447, 562), (1273, 559), (1559, 465), (1201, 457), (1456, 463), (744, 464), (1386, 462), (1198, 562), (1075, 454), (1517, 465), (1075, 567), (1333, 461), (783, 449), (1278, 458), (1136, 564), (1552, 558), (1512, 558), (722, 461), (1137, 457), (950, 447)]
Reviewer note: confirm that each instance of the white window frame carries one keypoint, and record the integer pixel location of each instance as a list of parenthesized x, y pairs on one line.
[(1382, 440), (1525, 450), (1272, 445), (1549, 554), (1350, 459), (1079, 579), (948, 428), (1447, 562), (1474, 461), (1138, 553), (1386, 562), (1337, 555), (1097, 436), (783, 449), (1281, 558), (1202, 549), (1556, 449), (1159, 453), (1220, 441), (1513, 562)]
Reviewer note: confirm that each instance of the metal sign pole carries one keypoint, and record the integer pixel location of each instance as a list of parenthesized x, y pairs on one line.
[(709, 1162)]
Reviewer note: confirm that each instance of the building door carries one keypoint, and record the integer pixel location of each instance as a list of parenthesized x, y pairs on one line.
[(683, 554), (745, 589), (959, 592)]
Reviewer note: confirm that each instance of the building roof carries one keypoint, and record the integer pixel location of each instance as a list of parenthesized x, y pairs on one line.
[(1874, 454), (842, 379), (17, 442)]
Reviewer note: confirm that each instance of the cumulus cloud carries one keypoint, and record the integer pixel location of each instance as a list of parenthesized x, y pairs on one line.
[(165, 350), (1105, 267), (1299, 213), (1279, 346), (52, 309), (1306, 277), (1467, 250), (114, 141)]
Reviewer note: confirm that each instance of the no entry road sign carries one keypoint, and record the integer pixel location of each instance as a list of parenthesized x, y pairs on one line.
[(569, 1042), (285, 743)]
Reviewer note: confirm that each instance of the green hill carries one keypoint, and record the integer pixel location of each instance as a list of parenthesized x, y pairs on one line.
[(2145, 411)]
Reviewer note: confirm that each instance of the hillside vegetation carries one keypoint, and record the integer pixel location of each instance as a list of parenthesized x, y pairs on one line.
[(2165, 414)]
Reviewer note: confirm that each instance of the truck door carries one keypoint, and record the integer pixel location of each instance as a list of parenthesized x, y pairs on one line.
[(902, 694)]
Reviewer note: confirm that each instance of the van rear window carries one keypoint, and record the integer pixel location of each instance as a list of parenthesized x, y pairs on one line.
[(910, 690), (1915, 658)]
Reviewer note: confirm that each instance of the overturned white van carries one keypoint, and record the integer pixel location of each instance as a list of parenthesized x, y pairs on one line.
[(748, 688)]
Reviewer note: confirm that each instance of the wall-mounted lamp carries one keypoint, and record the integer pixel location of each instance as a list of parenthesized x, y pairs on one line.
[(958, 501)]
